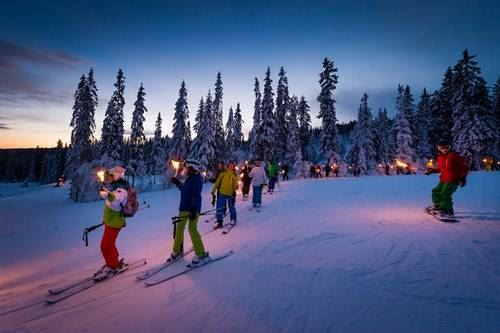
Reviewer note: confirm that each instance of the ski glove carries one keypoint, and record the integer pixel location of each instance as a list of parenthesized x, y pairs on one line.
[(213, 199), (463, 181), (176, 181)]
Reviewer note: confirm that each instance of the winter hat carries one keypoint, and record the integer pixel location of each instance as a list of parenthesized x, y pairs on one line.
[(444, 142), (117, 172), (193, 164)]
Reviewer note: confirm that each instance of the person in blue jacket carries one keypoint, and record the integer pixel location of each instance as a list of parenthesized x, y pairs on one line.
[(189, 212)]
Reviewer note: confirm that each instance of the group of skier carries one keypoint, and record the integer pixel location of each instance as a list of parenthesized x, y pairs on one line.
[(451, 165)]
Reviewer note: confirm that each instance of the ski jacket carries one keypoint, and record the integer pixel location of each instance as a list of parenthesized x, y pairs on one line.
[(452, 167), (112, 214), (226, 183), (273, 170), (191, 193), (258, 176)]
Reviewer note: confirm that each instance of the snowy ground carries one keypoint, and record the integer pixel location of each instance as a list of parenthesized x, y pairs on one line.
[(336, 255)]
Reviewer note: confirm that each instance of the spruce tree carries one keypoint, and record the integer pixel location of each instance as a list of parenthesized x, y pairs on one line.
[(238, 127), (179, 146), (294, 150), (112, 129), (199, 117), (254, 138), (382, 137), (329, 137), (137, 137), (218, 116), (158, 153), (230, 138), (266, 133), (282, 105), (496, 110), (422, 125), (304, 126), (362, 152), (471, 111), (402, 130), (204, 144), (441, 110)]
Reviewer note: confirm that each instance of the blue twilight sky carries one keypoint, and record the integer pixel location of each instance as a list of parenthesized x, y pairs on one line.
[(45, 46)]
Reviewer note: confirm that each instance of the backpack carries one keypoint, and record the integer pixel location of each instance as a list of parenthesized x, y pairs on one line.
[(132, 205)]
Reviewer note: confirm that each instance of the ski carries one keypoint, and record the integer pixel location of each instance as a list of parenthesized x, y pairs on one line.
[(228, 228), (150, 272), (442, 219), (89, 283), (188, 268), (63, 288)]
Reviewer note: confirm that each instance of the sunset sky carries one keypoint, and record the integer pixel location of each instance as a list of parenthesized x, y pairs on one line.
[(45, 46)]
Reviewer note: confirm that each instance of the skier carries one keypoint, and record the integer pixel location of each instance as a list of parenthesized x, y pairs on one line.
[(225, 186), (189, 212), (115, 198), (259, 179), (245, 178), (327, 170), (453, 173), (285, 169), (272, 172)]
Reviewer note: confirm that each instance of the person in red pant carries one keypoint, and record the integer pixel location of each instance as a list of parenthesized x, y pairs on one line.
[(113, 219), (453, 170)]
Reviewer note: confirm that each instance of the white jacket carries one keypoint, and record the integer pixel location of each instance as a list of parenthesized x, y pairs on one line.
[(258, 176)]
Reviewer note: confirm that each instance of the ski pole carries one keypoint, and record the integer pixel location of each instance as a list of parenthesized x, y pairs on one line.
[(85, 236)]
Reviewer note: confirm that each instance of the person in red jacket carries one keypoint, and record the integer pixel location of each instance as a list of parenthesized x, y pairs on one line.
[(453, 170)]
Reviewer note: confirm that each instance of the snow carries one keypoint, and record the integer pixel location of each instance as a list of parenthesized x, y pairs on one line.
[(323, 255)]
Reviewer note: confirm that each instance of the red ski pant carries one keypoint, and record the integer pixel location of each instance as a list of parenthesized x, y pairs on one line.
[(108, 246)]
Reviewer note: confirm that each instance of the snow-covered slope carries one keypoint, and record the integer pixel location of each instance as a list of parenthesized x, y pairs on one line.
[(335, 255)]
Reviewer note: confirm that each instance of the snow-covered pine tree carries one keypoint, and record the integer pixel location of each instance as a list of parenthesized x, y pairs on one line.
[(496, 110), (230, 138), (471, 130), (112, 129), (409, 111), (328, 141), (199, 117), (266, 133), (362, 151), (253, 137), (382, 137), (441, 110), (238, 127), (204, 143), (282, 106), (158, 154), (294, 150), (304, 126), (179, 145), (422, 125), (77, 105), (137, 137), (218, 116), (402, 130)]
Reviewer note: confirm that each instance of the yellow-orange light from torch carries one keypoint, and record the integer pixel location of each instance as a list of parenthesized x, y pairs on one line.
[(241, 175), (100, 175), (204, 173), (175, 164), (401, 164), (484, 160)]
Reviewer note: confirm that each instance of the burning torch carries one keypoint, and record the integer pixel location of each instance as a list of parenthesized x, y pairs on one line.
[(176, 165)]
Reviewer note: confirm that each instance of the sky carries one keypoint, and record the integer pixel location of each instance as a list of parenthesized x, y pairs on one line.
[(45, 46)]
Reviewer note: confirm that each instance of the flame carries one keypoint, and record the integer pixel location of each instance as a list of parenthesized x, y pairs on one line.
[(175, 164), (100, 175), (204, 173), (401, 164), (241, 175)]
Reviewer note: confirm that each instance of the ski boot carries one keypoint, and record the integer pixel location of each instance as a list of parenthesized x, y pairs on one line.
[(175, 256), (446, 213), (218, 225), (432, 209), (200, 260)]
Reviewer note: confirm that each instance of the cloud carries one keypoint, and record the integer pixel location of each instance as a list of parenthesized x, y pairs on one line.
[(4, 126), (21, 80)]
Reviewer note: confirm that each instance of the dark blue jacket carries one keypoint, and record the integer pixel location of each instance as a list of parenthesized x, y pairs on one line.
[(191, 193)]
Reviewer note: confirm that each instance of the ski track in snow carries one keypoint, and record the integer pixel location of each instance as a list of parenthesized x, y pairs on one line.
[(327, 255)]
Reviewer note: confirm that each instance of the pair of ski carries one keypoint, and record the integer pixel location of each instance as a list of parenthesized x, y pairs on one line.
[(67, 290), (436, 215), (152, 281)]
